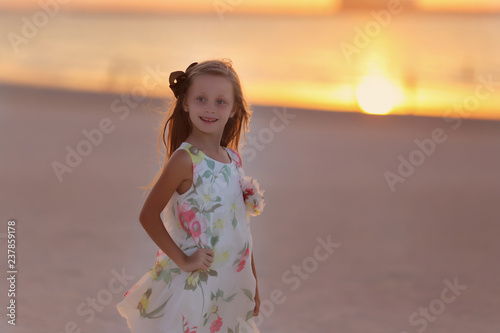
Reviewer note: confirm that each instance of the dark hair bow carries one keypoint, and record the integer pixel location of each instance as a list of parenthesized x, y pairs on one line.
[(177, 80)]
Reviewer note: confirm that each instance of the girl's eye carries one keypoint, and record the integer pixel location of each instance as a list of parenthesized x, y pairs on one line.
[(220, 101), (201, 99)]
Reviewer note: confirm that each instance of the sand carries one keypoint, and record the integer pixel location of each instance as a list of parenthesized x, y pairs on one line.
[(423, 257)]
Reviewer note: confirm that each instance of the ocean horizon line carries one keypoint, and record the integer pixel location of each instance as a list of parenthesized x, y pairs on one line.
[(166, 100)]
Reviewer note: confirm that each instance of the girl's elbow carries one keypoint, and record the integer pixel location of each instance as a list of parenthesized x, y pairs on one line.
[(142, 220), (145, 217)]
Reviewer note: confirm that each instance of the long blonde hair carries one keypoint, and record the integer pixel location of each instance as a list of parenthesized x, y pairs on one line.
[(178, 122)]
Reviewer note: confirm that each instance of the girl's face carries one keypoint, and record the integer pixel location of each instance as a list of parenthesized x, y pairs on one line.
[(210, 102)]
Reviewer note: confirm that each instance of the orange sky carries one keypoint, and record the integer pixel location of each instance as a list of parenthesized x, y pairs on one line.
[(460, 5), (245, 7)]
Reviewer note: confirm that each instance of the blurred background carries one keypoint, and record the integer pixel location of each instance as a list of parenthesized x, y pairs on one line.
[(376, 56), (347, 98)]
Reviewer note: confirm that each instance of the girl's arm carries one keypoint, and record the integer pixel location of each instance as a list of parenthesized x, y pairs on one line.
[(177, 171), (257, 296)]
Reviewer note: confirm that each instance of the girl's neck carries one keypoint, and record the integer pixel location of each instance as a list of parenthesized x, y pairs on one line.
[(204, 142)]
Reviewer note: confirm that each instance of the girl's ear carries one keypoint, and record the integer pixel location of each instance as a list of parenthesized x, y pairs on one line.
[(233, 112), (184, 103)]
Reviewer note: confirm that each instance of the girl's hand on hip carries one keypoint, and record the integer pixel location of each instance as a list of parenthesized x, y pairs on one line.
[(201, 259)]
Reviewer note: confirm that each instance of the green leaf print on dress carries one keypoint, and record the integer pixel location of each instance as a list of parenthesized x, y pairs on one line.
[(216, 301), (144, 303), (161, 272), (197, 277)]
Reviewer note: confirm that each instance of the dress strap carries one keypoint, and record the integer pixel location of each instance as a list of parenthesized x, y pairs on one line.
[(184, 145), (197, 155), (234, 156)]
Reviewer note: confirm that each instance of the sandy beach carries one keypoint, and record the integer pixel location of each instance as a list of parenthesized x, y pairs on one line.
[(372, 224)]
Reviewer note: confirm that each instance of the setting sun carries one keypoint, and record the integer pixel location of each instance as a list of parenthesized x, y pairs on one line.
[(377, 95)]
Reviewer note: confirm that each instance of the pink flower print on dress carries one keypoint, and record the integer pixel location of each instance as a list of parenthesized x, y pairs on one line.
[(241, 265), (243, 258), (197, 230), (240, 261), (186, 215), (159, 253), (196, 170), (216, 325), (185, 323), (245, 254)]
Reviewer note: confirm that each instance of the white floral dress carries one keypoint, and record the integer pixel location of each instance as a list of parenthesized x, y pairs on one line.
[(213, 213)]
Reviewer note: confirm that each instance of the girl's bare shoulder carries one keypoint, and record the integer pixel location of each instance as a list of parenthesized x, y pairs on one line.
[(179, 162)]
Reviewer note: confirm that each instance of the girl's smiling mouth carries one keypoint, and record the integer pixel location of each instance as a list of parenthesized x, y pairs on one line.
[(208, 119)]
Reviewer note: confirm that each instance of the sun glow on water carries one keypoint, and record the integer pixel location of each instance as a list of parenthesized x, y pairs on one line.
[(378, 95)]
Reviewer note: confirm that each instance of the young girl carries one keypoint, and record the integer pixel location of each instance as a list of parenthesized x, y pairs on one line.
[(204, 278)]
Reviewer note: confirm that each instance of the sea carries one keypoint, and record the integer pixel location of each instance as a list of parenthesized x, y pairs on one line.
[(313, 62)]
